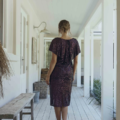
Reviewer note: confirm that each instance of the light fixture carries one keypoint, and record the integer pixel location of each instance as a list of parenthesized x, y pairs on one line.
[(44, 30)]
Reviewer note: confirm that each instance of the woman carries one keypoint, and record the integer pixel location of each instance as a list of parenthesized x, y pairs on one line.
[(61, 73)]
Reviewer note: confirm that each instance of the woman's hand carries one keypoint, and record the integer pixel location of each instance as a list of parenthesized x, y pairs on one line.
[(47, 79), (73, 77)]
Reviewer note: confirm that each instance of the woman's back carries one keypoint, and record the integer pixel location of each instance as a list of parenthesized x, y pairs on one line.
[(66, 50)]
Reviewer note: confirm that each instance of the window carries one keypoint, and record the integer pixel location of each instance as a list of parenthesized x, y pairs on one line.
[(48, 54), (1, 21)]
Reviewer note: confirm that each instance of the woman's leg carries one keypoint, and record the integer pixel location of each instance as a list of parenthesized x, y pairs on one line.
[(58, 112), (64, 113)]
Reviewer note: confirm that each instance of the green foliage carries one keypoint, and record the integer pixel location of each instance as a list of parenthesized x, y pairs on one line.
[(97, 90)]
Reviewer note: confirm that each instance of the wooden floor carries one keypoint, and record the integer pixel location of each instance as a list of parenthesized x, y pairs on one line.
[(79, 108)]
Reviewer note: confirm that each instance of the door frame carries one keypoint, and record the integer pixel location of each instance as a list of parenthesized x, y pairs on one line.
[(45, 41), (26, 50)]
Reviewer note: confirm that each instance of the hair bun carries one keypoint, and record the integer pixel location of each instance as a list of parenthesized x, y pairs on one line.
[(64, 26)]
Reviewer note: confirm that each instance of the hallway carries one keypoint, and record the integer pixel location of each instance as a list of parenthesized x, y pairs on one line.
[(80, 109), (27, 28)]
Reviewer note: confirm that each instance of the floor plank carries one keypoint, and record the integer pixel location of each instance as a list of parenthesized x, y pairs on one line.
[(42, 110), (88, 112), (75, 108), (71, 112), (79, 108), (47, 111), (94, 104), (52, 114), (96, 116), (39, 105), (27, 117)]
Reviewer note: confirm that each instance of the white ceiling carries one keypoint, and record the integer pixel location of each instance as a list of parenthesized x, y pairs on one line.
[(77, 12)]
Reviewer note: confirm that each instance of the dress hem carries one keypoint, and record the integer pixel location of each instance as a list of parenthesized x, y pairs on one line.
[(60, 106)]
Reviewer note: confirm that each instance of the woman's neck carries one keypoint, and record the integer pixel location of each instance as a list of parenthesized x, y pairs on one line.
[(65, 36)]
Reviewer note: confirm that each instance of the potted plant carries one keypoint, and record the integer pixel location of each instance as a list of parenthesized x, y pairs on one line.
[(96, 92)]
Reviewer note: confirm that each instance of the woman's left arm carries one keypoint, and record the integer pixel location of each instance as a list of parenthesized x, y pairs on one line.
[(51, 68)]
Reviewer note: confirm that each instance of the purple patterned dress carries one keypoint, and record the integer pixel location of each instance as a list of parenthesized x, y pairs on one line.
[(62, 76)]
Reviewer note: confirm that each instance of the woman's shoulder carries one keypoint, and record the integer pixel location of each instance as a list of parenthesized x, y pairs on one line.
[(58, 39), (75, 41)]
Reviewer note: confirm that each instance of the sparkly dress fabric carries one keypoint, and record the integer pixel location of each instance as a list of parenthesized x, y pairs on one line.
[(61, 77)]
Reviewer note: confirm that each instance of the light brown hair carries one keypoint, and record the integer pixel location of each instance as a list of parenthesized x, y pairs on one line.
[(64, 26)]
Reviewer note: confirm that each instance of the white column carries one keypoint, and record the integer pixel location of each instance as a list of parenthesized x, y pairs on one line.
[(1, 22), (41, 54), (107, 60), (17, 27), (79, 66), (87, 62), (101, 60), (10, 26), (115, 52), (39, 58), (5, 23), (92, 60), (118, 60)]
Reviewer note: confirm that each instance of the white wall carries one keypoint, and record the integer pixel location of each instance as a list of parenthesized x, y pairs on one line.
[(96, 58), (14, 86), (42, 53), (33, 20), (82, 54), (1, 20)]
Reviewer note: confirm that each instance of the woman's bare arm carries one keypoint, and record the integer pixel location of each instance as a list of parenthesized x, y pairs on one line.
[(52, 65), (75, 66)]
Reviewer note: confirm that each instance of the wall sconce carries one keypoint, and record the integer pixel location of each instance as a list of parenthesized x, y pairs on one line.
[(44, 30)]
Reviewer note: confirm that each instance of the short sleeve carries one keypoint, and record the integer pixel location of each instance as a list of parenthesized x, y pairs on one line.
[(77, 49), (53, 47)]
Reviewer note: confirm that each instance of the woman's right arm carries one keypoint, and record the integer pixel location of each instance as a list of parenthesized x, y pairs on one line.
[(75, 66)]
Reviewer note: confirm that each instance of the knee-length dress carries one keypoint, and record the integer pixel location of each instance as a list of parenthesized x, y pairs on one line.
[(61, 77)]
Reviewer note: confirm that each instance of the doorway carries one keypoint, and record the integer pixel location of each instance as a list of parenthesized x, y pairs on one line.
[(24, 51), (48, 54)]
